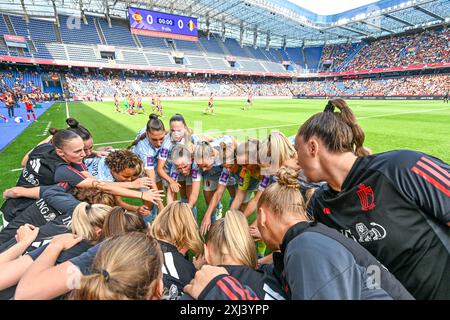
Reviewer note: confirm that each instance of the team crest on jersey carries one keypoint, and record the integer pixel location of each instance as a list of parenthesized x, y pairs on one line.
[(150, 162), (172, 293), (224, 178), (376, 232), (366, 197), (164, 153)]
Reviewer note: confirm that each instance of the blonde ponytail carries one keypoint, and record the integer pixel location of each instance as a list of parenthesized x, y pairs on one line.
[(86, 218), (231, 236)]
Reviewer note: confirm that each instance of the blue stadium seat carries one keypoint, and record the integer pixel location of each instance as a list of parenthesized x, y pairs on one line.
[(118, 35), (86, 34)]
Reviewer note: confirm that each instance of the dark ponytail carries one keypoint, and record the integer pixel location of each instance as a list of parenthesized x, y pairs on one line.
[(75, 127), (153, 124), (339, 131), (78, 129)]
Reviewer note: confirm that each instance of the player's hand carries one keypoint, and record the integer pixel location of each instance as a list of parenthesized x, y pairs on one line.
[(206, 224), (143, 210), (174, 186), (65, 241), (105, 149), (142, 183), (12, 193), (199, 262), (254, 232), (101, 153), (26, 233), (152, 195), (202, 278)]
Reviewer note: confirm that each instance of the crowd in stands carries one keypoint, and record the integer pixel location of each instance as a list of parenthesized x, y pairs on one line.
[(429, 46), (106, 85), (429, 85)]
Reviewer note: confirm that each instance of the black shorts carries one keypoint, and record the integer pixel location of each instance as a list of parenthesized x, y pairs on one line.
[(248, 101)]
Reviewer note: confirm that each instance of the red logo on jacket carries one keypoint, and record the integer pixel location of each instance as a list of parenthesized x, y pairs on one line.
[(367, 197)]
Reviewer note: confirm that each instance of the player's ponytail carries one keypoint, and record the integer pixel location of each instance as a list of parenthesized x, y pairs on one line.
[(176, 225), (87, 219), (248, 152), (338, 131), (75, 126), (283, 196), (126, 267), (230, 236), (347, 115), (203, 150)]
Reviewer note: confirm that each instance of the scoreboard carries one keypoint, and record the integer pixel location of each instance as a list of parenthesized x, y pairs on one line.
[(164, 25)]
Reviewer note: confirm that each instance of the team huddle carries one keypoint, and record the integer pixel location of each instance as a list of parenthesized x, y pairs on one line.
[(333, 221)]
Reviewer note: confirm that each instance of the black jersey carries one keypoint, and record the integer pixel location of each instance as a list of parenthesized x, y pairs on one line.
[(56, 206), (177, 271), (40, 167), (397, 205)]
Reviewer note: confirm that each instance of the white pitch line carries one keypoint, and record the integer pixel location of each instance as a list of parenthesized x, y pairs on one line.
[(46, 129), (400, 113), (67, 110)]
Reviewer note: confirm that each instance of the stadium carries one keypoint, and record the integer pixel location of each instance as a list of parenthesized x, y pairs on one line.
[(201, 138)]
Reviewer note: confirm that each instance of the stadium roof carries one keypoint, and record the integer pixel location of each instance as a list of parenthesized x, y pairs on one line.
[(283, 22), (329, 7)]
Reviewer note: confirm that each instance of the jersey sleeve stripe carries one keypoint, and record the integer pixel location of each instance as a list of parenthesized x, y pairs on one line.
[(431, 180), (226, 290), (76, 171), (236, 288), (434, 172), (445, 173)]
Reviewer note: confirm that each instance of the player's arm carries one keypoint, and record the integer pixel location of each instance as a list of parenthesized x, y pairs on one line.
[(252, 205), (26, 156), (150, 195), (150, 173), (217, 196), (238, 199), (174, 185), (21, 192), (193, 197), (427, 183), (44, 280)]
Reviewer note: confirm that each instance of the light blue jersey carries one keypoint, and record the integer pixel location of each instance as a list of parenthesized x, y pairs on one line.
[(194, 176), (99, 169), (147, 152), (168, 145)]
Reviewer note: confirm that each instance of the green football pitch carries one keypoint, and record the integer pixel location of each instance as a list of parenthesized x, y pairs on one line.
[(418, 125)]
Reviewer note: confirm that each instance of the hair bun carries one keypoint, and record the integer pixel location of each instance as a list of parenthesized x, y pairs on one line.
[(153, 116), (288, 178), (71, 122), (52, 131)]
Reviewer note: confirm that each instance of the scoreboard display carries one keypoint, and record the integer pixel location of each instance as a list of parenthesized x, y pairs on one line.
[(164, 25)]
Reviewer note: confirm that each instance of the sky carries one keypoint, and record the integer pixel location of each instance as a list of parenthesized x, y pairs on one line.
[(328, 7)]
